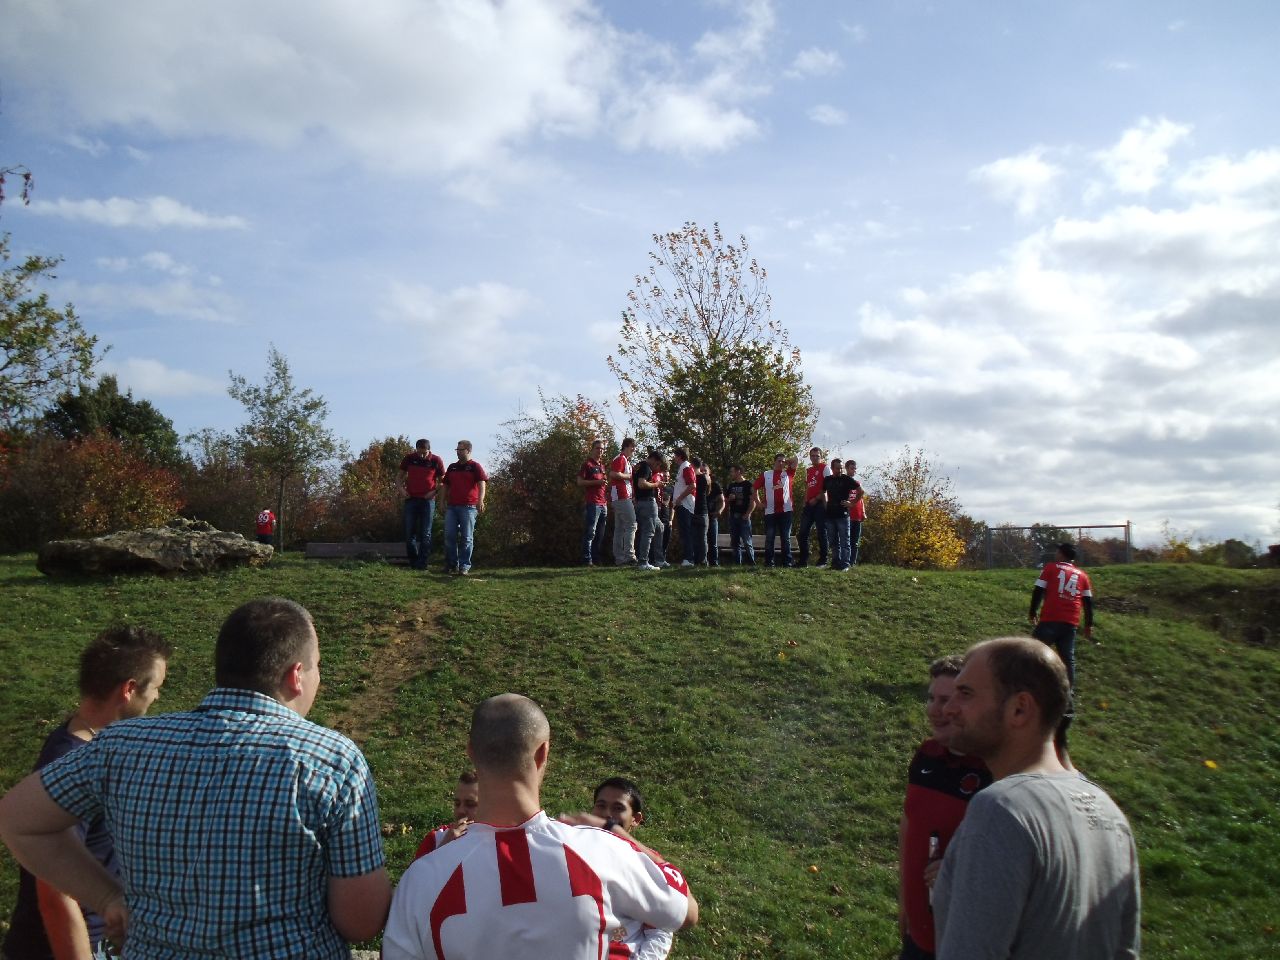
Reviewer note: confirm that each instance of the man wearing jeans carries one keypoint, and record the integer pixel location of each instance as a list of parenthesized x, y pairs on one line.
[(857, 512), (420, 472), (594, 486), (622, 506), (741, 503), (837, 491), (773, 489), (1065, 589), (683, 502), (464, 483), (814, 513), (646, 500)]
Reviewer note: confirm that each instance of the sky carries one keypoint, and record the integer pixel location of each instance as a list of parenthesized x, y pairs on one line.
[(1039, 240)]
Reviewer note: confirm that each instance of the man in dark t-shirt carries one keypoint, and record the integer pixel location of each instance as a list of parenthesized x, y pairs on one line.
[(420, 471), (741, 499), (646, 501), (121, 673), (837, 490)]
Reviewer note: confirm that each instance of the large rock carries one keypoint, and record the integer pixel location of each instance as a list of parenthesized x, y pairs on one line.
[(184, 546)]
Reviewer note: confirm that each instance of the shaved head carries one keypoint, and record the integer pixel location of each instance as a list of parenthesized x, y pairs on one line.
[(1021, 664), (505, 732)]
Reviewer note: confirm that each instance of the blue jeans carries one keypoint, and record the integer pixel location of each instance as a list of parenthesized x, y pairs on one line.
[(777, 524), (813, 515), (684, 519), (1062, 637), (740, 538), (646, 527), (661, 534), (713, 540), (459, 528), (855, 540), (418, 514), (838, 538), (699, 534), (593, 515)]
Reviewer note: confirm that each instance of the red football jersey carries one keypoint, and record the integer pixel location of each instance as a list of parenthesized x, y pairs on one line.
[(1065, 587)]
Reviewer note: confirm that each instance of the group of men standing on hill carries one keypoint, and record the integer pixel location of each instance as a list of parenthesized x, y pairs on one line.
[(647, 498), (459, 487)]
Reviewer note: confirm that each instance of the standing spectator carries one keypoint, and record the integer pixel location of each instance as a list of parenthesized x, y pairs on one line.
[(592, 480), (814, 512), (243, 830), (837, 490), (683, 497), (622, 505), (857, 512), (773, 489), (519, 884), (265, 526), (699, 530), (940, 783), (420, 471), (121, 673), (646, 500), (464, 482), (715, 509), (742, 502), (1065, 589), (466, 798), (619, 803), (662, 535), (1043, 864)]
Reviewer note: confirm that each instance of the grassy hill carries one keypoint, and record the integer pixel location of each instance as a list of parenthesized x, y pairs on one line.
[(769, 715)]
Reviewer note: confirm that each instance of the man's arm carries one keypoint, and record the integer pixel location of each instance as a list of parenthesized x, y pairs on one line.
[(1088, 617), (655, 945), (42, 838), (64, 925), (986, 877), (358, 905), (902, 875), (1037, 594), (481, 487)]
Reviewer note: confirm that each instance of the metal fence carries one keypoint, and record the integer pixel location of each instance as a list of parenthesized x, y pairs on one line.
[(1036, 545)]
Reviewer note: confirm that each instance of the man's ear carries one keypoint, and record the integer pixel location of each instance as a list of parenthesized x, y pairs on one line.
[(129, 689), (1023, 710), (292, 681), (541, 754), (637, 819)]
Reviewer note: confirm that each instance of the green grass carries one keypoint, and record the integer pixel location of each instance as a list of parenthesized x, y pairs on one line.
[(755, 765)]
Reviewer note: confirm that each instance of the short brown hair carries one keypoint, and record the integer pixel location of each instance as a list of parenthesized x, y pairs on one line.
[(259, 641), (118, 654), (1020, 664), (947, 666), (505, 731)]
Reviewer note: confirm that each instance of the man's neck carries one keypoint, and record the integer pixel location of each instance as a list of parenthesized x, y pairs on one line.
[(90, 717), (507, 804), (1035, 757)]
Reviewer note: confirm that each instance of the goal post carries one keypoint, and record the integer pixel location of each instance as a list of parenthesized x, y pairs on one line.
[(1096, 544)]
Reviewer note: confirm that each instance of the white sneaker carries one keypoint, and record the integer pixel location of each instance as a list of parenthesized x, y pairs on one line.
[(686, 563), (662, 564), (646, 566)]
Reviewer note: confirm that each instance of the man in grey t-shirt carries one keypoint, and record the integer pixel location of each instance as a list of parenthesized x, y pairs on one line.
[(1043, 865)]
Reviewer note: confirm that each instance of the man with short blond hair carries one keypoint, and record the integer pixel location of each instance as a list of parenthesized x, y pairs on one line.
[(1043, 866)]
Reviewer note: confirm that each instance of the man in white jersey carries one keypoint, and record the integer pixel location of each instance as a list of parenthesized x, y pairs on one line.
[(519, 884), (1043, 866)]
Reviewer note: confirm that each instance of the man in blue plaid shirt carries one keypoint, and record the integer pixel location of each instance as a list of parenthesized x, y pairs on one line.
[(244, 830)]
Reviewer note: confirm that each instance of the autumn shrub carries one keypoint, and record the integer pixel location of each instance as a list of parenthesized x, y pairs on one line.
[(57, 489), (534, 504), (911, 515)]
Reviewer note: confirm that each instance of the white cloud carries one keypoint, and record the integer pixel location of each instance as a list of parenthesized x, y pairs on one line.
[(480, 323), (1113, 364), (151, 213), (828, 116), (856, 31), (94, 148), (1137, 162), (178, 298), (434, 86), (1024, 180), (815, 62), (151, 378), (1119, 66)]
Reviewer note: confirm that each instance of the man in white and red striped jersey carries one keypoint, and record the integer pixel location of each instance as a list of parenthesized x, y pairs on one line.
[(519, 884)]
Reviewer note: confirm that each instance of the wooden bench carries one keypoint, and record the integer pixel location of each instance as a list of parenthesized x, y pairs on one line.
[(391, 552), (724, 544)]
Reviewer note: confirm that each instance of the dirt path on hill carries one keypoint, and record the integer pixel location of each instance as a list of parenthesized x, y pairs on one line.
[(405, 653)]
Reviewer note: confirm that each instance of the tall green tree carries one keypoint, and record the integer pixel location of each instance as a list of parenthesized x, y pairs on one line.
[(102, 407), (285, 436), (702, 362), (43, 350)]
